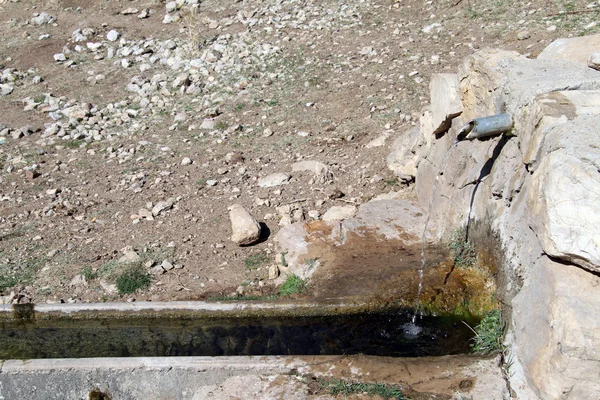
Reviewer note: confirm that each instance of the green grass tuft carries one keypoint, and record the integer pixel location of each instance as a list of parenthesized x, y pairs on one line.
[(132, 279), (339, 387), (462, 251), (89, 274), (488, 334), (255, 260), (293, 285)]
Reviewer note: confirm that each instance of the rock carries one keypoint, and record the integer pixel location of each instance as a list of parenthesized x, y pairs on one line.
[(6, 89), (594, 61), (144, 213), (246, 230), (557, 330), (338, 213), (162, 206), (273, 272), (565, 212), (406, 154), (157, 270), (113, 35), (186, 161), (109, 288), (78, 281), (129, 256), (303, 133), (78, 112), (523, 35), (394, 219), (167, 265), (144, 14), (445, 101), (378, 141), (276, 179), (574, 49), (171, 6), (43, 18), (59, 57), (129, 11), (208, 124), (316, 167)]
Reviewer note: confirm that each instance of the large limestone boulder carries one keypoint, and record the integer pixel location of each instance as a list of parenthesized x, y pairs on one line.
[(573, 49), (552, 115), (496, 81), (556, 320), (565, 211)]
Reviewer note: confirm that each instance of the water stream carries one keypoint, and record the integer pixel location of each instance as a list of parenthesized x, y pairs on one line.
[(414, 329), (373, 333)]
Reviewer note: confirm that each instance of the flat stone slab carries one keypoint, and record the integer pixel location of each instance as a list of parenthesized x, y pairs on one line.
[(189, 378)]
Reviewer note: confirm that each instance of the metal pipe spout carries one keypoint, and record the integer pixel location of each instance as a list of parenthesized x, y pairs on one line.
[(486, 127)]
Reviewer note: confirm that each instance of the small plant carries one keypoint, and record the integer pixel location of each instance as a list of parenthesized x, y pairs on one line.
[(462, 251), (391, 182), (240, 106), (488, 334), (89, 274), (272, 103), (255, 260), (221, 125), (337, 386), (73, 144), (132, 279), (109, 270), (311, 263), (293, 285)]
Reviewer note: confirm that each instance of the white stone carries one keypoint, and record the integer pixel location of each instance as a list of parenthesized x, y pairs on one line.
[(378, 141), (208, 124), (129, 256), (245, 229), (272, 180), (163, 206), (60, 57), (113, 35), (186, 161), (316, 167), (338, 213)]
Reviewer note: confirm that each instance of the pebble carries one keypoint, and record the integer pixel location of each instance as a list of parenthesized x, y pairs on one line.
[(144, 14), (167, 265), (272, 180), (186, 161), (523, 35), (162, 206), (113, 35)]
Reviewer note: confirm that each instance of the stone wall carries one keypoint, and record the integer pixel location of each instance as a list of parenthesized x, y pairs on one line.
[(537, 188)]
